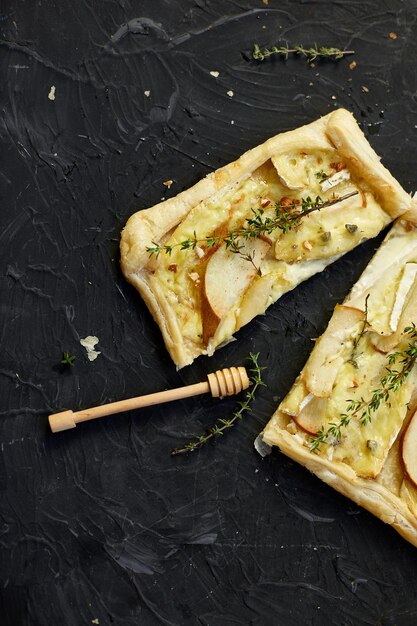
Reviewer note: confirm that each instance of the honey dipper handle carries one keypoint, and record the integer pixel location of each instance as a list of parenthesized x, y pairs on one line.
[(221, 383)]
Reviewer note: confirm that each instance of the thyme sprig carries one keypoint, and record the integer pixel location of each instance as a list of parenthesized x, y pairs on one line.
[(221, 425), (67, 359), (310, 54), (363, 410), (287, 216)]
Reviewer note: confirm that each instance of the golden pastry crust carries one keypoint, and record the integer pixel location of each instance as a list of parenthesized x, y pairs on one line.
[(387, 492), (336, 134)]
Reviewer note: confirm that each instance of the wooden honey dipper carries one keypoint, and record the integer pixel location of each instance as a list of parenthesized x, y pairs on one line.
[(222, 383)]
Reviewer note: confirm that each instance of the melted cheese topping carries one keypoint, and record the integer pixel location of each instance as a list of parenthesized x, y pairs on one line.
[(317, 241)]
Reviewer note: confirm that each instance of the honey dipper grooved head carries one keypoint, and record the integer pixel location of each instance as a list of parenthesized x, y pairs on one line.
[(228, 381)]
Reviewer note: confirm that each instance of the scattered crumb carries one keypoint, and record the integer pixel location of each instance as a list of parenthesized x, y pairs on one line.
[(393, 35), (230, 93), (333, 97), (307, 245), (168, 183), (365, 89), (352, 65), (214, 73), (95, 621), (89, 343), (265, 2), (232, 121), (147, 93), (51, 94), (311, 84)]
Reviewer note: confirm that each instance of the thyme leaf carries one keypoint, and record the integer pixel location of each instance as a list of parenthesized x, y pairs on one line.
[(221, 424), (67, 359), (364, 409), (310, 54)]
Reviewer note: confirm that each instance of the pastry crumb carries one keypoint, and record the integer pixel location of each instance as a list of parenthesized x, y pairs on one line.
[(89, 343), (215, 73), (393, 35), (365, 89), (147, 93), (168, 183), (51, 94), (230, 93), (352, 65)]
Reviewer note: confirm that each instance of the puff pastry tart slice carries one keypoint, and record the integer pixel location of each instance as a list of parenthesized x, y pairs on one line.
[(202, 295), (351, 415)]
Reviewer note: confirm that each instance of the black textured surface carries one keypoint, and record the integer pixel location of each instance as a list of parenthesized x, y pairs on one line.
[(100, 524)]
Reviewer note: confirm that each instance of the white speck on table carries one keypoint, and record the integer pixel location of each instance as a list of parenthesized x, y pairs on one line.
[(89, 344), (51, 94)]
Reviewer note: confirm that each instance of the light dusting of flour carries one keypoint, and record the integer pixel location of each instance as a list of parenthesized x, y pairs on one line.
[(89, 344)]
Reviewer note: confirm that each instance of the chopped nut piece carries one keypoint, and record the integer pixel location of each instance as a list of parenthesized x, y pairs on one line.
[(372, 445), (194, 277), (393, 35), (214, 73), (326, 236), (338, 166), (286, 202), (307, 245), (352, 65), (168, 183), (365, 89), (200, 252), (172, 267), (265, 202), (351, 228)]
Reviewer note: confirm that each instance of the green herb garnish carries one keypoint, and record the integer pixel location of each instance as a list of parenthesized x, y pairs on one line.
[(321, 176), (287, 216), (356, 341), (67, 359), (221, 425), (362, 409), (310, 54)]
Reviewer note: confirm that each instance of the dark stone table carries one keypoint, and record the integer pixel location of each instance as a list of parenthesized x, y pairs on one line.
[(102, 101)]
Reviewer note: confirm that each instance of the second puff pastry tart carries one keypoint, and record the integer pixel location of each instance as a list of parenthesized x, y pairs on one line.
[(351, 416)]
